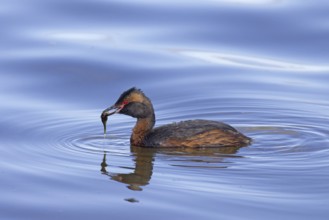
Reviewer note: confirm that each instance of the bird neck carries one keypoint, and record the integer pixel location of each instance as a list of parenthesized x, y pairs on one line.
[(142, 128)]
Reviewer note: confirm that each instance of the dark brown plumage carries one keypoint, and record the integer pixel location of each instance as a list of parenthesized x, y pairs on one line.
[(192, 133)]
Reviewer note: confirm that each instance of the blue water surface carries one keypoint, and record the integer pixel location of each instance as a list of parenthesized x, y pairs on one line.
[(259, 65)]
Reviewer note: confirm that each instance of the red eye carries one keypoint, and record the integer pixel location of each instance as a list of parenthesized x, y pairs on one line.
[(125, 102)]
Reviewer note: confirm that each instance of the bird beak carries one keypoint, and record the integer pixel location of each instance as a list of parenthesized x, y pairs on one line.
[(107, 112), (110, 111)]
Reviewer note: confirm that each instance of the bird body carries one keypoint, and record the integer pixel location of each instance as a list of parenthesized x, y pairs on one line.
[(196, 133)]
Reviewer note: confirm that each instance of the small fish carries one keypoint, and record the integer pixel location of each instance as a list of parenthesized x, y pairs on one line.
[(107, 112), (104, 120)]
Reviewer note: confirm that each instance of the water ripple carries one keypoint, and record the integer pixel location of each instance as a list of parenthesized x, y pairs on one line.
[(249, 61), (276, 131), (288, 140)]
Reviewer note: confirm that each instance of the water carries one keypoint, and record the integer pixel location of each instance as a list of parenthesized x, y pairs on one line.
[(261, 66)]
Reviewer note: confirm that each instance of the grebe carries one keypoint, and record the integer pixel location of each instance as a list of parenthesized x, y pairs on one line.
[(191, 133)]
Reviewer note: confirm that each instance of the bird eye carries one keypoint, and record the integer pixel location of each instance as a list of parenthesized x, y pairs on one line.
[(125, 102)]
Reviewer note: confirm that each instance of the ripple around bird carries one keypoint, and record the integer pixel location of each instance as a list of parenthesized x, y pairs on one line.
[(277, 133)]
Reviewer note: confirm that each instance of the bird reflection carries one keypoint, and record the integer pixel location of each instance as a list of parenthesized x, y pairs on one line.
[(142, 172), (144, 160)]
